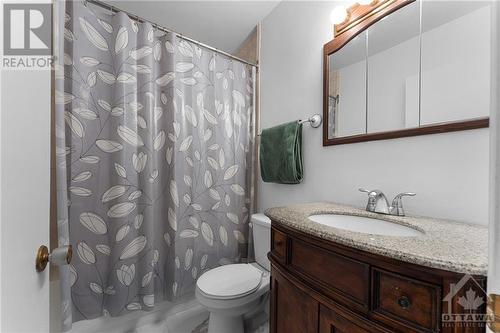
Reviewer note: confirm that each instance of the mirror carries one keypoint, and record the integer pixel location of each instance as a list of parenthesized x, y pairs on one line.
[(456, 56), (393, 66), (346, 107), (400, 68)]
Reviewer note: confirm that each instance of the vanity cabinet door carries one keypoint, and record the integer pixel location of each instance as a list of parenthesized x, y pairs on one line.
[(292, 310), (331, 321)]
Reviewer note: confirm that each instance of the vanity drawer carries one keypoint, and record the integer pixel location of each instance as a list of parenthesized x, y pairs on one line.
[(344, 279), (278, 245), (402, 300)]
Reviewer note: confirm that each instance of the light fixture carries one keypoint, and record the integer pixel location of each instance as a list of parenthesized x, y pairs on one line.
[(338, 15)]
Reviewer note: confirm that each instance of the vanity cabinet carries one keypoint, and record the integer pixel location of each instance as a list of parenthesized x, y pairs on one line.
[(321, 286), (297, 312), (336, 321)]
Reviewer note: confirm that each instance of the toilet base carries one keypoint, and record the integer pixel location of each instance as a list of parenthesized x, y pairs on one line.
[(218, 323)]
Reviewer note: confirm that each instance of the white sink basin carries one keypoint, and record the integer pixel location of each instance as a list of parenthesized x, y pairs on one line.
[(365, 225)]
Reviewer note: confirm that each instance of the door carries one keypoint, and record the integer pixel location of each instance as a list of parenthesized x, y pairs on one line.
[(494, 227), (25, 116), (25, 198)]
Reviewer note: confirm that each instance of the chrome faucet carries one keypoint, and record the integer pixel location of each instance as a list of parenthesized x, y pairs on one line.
[(377, 202)]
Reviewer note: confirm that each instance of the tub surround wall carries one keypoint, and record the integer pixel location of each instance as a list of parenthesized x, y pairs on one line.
[(449, 172), (248, 49)]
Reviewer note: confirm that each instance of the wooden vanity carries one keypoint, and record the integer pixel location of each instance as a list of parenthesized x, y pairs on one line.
[(318, 285)]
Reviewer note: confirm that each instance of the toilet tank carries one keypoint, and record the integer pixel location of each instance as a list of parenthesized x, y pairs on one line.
[(261, 239)]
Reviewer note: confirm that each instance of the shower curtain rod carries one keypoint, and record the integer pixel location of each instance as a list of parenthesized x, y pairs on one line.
[(159, 27)]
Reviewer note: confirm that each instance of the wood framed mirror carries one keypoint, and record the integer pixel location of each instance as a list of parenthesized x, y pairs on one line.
[(399, 68)]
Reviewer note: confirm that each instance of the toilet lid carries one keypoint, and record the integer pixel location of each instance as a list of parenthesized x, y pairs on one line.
[(230, 281)]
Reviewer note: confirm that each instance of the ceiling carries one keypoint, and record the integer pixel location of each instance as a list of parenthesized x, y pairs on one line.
[(221, 24)]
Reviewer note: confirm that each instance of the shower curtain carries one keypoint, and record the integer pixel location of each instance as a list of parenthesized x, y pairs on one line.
[(154, 155)]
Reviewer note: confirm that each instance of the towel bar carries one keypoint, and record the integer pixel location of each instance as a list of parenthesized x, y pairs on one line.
[(315, 121)]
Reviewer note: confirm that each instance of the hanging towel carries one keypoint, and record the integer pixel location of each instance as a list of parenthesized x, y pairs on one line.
[(281, 154)]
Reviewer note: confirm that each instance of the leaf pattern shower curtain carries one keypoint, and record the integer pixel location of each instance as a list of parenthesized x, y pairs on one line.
[(153, 147)]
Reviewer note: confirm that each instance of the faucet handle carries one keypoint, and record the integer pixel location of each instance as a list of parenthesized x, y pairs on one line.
[(377, 202), (370, 206), (371, 193), (397, 203), (409, 194)]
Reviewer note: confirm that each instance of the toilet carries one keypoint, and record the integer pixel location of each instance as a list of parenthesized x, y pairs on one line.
[(231, 291)]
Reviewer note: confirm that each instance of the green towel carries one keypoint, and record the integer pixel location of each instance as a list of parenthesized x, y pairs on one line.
[(281, 154)]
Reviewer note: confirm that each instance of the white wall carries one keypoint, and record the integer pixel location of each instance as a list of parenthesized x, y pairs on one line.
[(449, 171)]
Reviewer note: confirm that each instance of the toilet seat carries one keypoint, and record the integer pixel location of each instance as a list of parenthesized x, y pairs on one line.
[(230, 281)]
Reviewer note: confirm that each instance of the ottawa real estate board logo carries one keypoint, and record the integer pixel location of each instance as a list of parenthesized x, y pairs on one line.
[(465, 304), (27, 35)]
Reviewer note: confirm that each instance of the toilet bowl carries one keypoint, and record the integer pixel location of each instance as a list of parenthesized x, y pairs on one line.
[(231, 291)]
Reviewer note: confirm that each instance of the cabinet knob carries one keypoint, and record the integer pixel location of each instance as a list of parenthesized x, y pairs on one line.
[(404, 302)]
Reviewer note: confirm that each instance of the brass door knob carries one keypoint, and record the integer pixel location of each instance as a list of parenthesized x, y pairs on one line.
[(59, 256)]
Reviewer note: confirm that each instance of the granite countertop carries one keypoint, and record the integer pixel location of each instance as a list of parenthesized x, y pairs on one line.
[(448, 245)]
